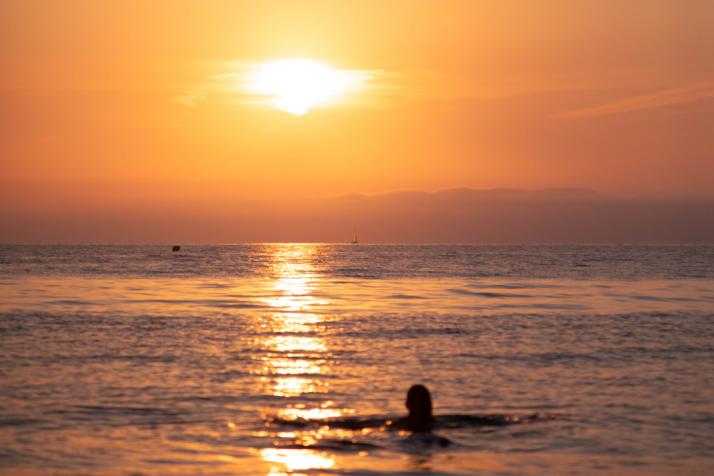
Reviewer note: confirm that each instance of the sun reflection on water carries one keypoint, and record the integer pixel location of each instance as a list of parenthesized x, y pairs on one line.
[(295, 343), (295, 460), (294, 367), (295, 355), (311, 413)]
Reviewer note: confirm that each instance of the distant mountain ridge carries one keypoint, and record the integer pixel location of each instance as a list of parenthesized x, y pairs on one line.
[(465, 192), (459, 215)]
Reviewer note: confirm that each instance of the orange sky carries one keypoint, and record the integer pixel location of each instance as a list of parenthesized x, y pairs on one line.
[(122, 105)]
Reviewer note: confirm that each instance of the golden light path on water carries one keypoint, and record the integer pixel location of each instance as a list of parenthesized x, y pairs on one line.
[(296, 355)]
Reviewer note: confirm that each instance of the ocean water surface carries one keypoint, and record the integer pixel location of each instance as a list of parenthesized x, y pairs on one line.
[(293, 359)]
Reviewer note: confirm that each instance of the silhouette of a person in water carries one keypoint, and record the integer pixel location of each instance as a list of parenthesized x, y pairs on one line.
[(420, 418)]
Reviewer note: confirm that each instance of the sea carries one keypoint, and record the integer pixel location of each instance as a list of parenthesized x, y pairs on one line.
[(296, 358)]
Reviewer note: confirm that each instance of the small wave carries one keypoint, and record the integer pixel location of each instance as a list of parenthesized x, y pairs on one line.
[(411, 443), (497, 419), (329, 444), (215, 286), (542, 305), (345, 423), (18, 421), (449, 421), (488, 294), (75, 302), (533, 358), (523, 285), (223, 303), (404, 296), (229, 375), (118, 410), (646, 297), (119, 415)]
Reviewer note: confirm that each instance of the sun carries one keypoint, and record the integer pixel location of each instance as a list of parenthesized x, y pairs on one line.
[(299, 85)]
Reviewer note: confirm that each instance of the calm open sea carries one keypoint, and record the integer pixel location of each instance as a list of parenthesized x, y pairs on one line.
[(274, 359)]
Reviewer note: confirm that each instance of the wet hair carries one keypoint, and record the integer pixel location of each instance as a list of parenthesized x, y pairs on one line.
[(419, 405)]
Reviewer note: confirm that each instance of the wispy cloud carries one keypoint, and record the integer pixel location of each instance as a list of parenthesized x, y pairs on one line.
[(661, 98), (191, 98), (229, 84)]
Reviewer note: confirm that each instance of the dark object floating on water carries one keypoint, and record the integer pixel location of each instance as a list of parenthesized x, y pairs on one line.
[(176, 248)]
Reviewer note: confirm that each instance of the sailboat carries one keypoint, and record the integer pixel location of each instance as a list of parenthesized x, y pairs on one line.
[(354, 238)]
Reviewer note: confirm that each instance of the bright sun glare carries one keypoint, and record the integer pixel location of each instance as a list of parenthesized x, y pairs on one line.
[(299, 85)]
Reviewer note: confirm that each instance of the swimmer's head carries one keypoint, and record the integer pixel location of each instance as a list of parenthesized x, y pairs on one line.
[(419, 403)]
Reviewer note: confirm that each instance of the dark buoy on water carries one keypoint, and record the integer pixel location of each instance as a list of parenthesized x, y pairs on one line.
[(176, 248)]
